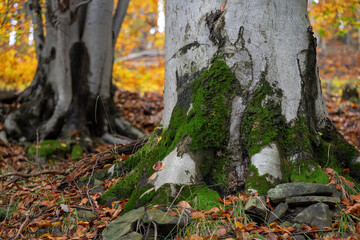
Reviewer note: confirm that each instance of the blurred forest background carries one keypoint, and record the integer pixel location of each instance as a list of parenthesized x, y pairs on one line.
[(138, 70)]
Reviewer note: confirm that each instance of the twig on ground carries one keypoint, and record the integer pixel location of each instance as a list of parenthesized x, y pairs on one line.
[(26, 222), (87, 188), (25, 175)]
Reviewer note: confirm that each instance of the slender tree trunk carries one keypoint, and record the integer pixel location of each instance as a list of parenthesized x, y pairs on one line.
[(71, 87), (243, 104)]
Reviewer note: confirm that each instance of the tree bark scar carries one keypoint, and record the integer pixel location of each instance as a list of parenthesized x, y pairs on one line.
[(312, 39), (215, 22), (211, 20)]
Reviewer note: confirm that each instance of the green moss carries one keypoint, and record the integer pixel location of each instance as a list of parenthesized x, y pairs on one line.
[(207, 122), (297, 138), (204, 198), (48, 148), (140, 198), (99, 175), (76, 152), (257, 182), (344, 152), (137, 179), (205, 125), (262, 119), (305, 171)]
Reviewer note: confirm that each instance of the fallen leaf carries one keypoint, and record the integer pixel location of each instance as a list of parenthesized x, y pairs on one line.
[(159, 165), (239, 225), (197, 215), (183, 204), (221, 232), (152, 177), (350, 184), (84, 201)]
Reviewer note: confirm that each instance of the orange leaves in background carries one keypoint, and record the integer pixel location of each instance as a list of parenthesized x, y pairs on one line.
[(334, 17), (139, 32), (17, 56), (139, 75)]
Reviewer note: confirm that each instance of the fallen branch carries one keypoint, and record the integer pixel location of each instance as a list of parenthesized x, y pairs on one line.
[(29, 175), (25, 223)]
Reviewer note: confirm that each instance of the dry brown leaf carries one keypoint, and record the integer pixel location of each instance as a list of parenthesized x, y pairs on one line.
[(183, 204), (197, 214), (350, 184), (158, 166), (221, 232), (152, 177)]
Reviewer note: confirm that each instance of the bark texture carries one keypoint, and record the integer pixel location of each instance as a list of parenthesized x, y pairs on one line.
[(71, 89), (243, 103)]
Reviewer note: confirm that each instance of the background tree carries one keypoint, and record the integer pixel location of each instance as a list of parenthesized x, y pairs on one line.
[(243, 104), (75, 52)]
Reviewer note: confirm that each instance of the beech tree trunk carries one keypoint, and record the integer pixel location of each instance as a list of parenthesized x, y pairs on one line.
[(71, 89), (243, 104)]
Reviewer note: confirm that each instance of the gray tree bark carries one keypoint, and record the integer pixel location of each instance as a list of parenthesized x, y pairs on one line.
[(268, 42), (71, 87), (243, 103)]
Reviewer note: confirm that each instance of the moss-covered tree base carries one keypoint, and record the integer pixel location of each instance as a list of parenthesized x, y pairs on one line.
[(200, 126)]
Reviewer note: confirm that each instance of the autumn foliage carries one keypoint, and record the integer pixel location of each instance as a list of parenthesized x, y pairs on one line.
[(139, 32)]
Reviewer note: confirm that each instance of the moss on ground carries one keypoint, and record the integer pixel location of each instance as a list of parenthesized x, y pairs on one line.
[(47, 148), (76, 152), (305, 171), (204, 198)]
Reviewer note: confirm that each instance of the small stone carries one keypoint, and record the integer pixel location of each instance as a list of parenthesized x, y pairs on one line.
[(123, 225), (160, 217), (3, 211), (165, 222), (317, 214), (131, 236), (309, 200), (278, 213), (286, 224), (256, 206), (97, 186), (86, 215), (283, 191), (298, 237), (3, 137), (97, 182)]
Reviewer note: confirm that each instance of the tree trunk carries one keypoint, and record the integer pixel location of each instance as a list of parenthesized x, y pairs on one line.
[(243, 104), (71, 87)]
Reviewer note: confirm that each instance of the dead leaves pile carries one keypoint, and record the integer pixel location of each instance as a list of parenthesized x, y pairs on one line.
[(144, 112), (340, 61), (346, 117)]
